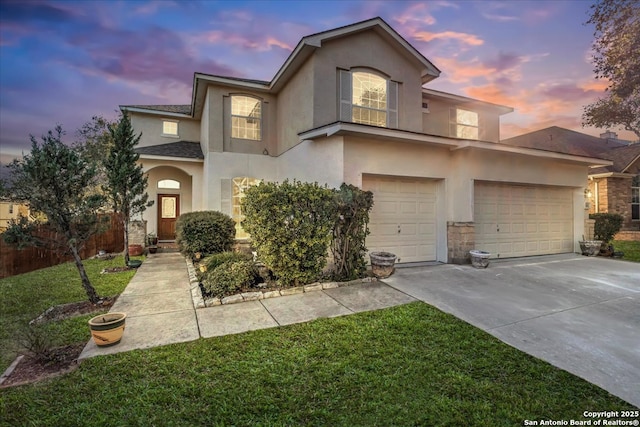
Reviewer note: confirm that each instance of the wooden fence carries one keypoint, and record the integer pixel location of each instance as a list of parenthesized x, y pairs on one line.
[(15, 261)]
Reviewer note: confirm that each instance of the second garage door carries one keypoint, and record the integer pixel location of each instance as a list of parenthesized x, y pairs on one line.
[(403, 218), (517, 220)]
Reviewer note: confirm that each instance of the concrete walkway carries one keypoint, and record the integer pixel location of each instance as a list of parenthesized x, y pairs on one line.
[(160, 309)]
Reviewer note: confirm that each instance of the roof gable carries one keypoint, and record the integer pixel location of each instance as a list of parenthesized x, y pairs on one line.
[(182, 149)]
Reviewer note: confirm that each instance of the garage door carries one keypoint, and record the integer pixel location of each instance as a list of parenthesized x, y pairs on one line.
[(517, 220), (403, 218)]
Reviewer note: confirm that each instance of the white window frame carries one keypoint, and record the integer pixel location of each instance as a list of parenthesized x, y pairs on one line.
[(456, 126), (165, 123), (347, 105), (635, 197), (247, 118)]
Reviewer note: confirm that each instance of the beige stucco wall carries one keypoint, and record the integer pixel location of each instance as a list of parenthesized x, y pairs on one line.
[(314, 161), (151, 128), (296, 103), (369, 50)]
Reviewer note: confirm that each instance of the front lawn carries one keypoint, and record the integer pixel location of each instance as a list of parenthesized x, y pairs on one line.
[(407, 365), (631, 249), (25, 296)]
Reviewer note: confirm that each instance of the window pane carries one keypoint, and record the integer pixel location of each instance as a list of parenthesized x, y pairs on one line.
[(467, 132), (465, 117), (246, 117), (635, 195), (170, 128), (369, 99), (240, 185), (169, 183), (635, 211)]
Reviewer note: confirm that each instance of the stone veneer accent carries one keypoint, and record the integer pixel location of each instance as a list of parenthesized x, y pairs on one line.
[(461, 238), (138, 233), (614, 197), (200, 302)]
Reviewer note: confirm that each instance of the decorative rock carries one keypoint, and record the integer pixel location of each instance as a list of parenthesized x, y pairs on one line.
[(232, 299), (252, 296), (313, 287), (292, 291), (195, 293), (330, 285), (270, 294), (212, 302)]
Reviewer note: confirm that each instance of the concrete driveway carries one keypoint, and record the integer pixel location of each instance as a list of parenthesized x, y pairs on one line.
[(580, 314)]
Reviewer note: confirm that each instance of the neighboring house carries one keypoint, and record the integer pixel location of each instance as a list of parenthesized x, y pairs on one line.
[(9, 211), (613, 188), (350, 105)]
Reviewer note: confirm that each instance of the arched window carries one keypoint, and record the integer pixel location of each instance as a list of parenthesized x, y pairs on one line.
[(368, 98), (169, 184), (246, 117)]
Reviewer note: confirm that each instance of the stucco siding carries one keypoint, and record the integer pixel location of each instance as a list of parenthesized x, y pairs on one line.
[(151, 128), (295, 109), (321, 161), (437, 121), (370, 50)]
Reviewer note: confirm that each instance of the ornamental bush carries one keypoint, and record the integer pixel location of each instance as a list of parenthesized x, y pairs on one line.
[(290, 226), (607, 225), (207, 232), (230, 277)]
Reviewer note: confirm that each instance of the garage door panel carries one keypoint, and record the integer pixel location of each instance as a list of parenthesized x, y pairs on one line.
[(531, 220), (402, 219)]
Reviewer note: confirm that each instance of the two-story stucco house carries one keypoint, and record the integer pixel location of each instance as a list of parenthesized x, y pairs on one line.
[(353, 104)]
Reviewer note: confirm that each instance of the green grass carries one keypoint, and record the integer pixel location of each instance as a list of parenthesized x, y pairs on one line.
[(403, 366), (631, 249), (24, 297)]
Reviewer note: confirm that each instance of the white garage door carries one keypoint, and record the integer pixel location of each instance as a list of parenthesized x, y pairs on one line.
[(403, 218), (517, 220)]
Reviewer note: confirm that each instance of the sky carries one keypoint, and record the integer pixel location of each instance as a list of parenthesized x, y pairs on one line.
[(62, 62)]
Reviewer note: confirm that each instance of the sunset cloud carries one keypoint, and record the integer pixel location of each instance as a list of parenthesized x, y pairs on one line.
[(465, 38)]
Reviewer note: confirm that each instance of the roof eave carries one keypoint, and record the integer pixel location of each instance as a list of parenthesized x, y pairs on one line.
[(171, 158), (155, 112)]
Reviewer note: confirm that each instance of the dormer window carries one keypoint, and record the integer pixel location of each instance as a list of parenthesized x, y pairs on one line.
[(368, 98), (246, 117), (464, 124), (170, 128)]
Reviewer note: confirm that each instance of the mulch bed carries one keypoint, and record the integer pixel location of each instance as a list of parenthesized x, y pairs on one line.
[(64, 359)]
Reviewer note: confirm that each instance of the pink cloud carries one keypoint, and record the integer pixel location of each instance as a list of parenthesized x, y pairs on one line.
[(465, 38)]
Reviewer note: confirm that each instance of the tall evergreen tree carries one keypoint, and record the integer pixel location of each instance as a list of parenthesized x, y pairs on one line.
[(127, 183), (55, 180)]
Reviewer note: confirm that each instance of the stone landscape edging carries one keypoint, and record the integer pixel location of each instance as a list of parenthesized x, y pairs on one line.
[(200, 302)]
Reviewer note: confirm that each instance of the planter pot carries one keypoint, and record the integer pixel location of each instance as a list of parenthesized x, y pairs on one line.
[(134, 263), (590, 247), (135, 250), (382, 264), (107, 329), (153, 241), (153, 249), (479, 259)]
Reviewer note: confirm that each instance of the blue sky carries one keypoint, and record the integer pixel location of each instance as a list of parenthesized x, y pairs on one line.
[(62, 62)]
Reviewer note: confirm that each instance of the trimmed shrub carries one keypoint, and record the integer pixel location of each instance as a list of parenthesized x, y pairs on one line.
[(352, 207), (207, 232), (290, 226), (213, 261), (230, 277), (607, 225)]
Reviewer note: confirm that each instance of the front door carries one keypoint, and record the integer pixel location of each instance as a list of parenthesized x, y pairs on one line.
[(168, 212)]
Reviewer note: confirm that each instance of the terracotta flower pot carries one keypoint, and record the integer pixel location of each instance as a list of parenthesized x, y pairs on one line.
[(107, 329), (135, 250)]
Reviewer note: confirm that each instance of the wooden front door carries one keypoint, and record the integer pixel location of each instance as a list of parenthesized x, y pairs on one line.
[(168, 212)]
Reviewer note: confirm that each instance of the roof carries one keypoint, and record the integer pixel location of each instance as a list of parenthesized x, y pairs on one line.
[(184, 149), (567, 141), (176, 109), (622, 158)]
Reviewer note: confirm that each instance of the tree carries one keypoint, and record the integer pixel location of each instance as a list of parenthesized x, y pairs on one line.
[(94, 143), (54, 179), (126, 182), (616, 58)]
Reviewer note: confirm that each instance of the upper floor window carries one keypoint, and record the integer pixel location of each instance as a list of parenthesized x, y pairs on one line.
[(170, 128), (169, 184), (464, 124), (368, 98), (246, 117), (635, 198)]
